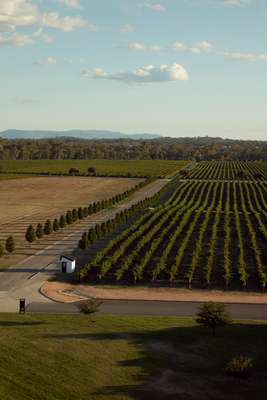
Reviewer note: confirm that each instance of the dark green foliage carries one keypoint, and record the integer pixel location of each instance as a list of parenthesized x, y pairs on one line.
[(74, 171), (85, 212), (62, 221), (74, 214), (1, 250), (69, 219), (56, 225), (98, 231), (84, 243), (90, 209), (48, 229), (91, 235), (39, 231), (240, 368), (30, 234), (91, 171), (10, 244), (80, 213), (213, 315)]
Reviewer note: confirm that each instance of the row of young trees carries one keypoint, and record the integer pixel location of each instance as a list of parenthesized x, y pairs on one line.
[(9, 246), (99, 231), (72, 216)]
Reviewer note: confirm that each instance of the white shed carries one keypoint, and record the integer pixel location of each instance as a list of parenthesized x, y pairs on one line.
[(67, 264)]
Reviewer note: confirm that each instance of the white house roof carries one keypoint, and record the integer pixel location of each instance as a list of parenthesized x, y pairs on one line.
[(66, 258)]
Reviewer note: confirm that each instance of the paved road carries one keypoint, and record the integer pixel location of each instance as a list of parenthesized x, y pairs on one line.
[(25, 278), (154, 308)]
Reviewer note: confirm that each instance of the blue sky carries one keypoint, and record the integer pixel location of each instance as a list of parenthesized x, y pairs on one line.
[(174, 67)]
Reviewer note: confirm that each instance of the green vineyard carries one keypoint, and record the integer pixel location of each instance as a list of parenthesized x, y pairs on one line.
[(206, 234), (230, 170)]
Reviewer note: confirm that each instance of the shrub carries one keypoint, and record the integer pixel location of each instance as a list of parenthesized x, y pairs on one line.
[(69, 219), (80, 213), (213, 315), (62, 221), (89, 307), (74, 214), (83, 243), (1, 250), (55, 225), (91, 171), (48, 227), (74, 171), (39, 231), (10, 244), (240, 368), (30, 234)]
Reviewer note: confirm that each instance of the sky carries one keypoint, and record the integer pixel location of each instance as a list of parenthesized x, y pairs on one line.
[(172, 67)]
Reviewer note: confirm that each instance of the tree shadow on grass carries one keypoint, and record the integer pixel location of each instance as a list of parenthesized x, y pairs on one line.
[(19, 323), (185, 363)]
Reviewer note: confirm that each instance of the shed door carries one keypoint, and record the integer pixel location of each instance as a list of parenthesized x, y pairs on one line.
[(64, 267)]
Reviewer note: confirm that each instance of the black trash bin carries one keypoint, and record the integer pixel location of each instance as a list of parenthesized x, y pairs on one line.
[(22, 306)]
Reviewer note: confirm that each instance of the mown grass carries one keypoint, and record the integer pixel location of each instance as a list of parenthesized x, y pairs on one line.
[(149, 168), (67, 357)]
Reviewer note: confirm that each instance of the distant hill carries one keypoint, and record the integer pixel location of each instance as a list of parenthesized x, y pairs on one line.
[(81, 134)]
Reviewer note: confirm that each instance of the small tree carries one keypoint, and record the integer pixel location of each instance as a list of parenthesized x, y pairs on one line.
[(74, 214), (213, 315), (84, 243), (74, 171), (69, 219), (1, 250), (91, 171), (89, 307), (39, 231), (48, 227), (30, 234), (55, 225), (80, 213), (10, 244), (240, 368), (62, 221)]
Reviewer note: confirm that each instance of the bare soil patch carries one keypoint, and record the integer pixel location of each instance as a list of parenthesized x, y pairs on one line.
[(65, 292), (33, 200)]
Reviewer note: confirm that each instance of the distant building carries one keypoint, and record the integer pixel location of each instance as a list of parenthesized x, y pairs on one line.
[(67, 264)]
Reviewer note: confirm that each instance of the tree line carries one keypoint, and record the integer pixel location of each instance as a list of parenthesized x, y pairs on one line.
[(197, 148)]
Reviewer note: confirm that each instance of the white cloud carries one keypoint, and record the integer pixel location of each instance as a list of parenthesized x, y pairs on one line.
[(234, 2), (46, 61), (202, 47), (239, 56), (15, 13), (15, 39), (24, 100), (71, 3), (146, 74), (155, 7), (66, 24), (142, 47), (43, 35), (126, 29)]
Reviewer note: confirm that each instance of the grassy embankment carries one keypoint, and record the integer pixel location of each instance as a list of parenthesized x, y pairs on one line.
[(67, 357)]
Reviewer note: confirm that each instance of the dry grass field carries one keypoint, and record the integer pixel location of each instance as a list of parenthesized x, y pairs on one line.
[(33, 200)]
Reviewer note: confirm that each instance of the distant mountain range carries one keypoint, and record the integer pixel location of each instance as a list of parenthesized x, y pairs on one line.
[(81, 134)]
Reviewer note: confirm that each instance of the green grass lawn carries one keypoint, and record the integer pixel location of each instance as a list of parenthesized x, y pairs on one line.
[(150, 168), (67, 357)]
